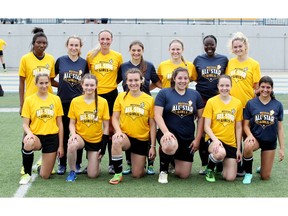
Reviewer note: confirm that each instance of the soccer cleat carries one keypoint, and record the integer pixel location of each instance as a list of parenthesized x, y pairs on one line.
[(202, 171), (25, 179), (150, 170), (163, 177), (22, 172), (111, 170), (72, 176), (127, 171), (258, 170), (78, 169), (5, 70), (61, 170), (210, 177), (247, 178), (117, 178)]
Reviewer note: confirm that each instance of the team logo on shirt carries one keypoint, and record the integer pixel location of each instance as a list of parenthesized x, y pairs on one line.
[(88, 118), (183, 109), (135, 110), (169, 76), (72, 77), (45, 113), (239, 74), (104, 67), (41, 69), (211, 72), (265, 119), (226, 117)]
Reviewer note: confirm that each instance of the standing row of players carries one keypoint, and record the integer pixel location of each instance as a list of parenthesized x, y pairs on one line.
[(96, 116)]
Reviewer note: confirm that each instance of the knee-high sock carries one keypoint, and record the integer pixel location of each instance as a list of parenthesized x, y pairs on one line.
[(28, 158)]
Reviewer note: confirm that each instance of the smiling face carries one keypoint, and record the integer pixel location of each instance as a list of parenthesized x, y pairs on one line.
[(176, 50), (136, 52), (89, 86), (265, 89), (239, 48), (224, 86), (74, 47), (181, 80), (133, 81), (105, 39), (209, 46), (42, 82)]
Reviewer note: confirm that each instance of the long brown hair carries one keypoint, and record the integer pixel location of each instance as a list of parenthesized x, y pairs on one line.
[(134, 71), (143, 63)]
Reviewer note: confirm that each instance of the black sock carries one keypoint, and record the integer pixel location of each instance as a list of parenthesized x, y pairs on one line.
[(79, 156), (117, 163), (109, 146), (4, 67), (128, 156), (247, 164), (164, 161), (211, 162), (203, 152), (150, 162), (28, 158)]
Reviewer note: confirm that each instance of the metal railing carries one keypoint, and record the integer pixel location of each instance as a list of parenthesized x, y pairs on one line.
[(161, 21)]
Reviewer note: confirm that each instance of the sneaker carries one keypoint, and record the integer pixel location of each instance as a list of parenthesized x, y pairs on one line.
[(117, 178), (25, 179), (5, 70), (72, 176), (247, 178), (22, 172), (202, 171), (78, 169), (210, 177), (258, 170), (171, 169), (150, 170), (53, 171), (84, 171), (61, 170), (111, 170), (127, 171), (163, 177)]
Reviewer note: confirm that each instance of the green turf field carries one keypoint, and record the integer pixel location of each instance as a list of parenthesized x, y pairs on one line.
[(147, 187)]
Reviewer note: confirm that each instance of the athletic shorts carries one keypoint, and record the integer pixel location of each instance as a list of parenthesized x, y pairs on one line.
[(92, 146), (231, 152), (266, 146), (183, 152), (139, 147), (1, 52), (49, 143), (110, 97)]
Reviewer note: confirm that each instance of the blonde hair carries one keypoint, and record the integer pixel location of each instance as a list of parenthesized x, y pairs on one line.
[(97, 49), (241, 37)]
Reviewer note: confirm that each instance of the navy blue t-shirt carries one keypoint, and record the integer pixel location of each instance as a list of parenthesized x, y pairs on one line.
[(263, 118), (180, 111), (70, 75), (150, 75), (209, 70)]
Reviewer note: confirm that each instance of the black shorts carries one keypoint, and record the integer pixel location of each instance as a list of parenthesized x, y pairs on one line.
[(110, 97), (92, 146), (231, 152), (139, 147), (183, 152), (49, 143), (1, 52), (266, 146)]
